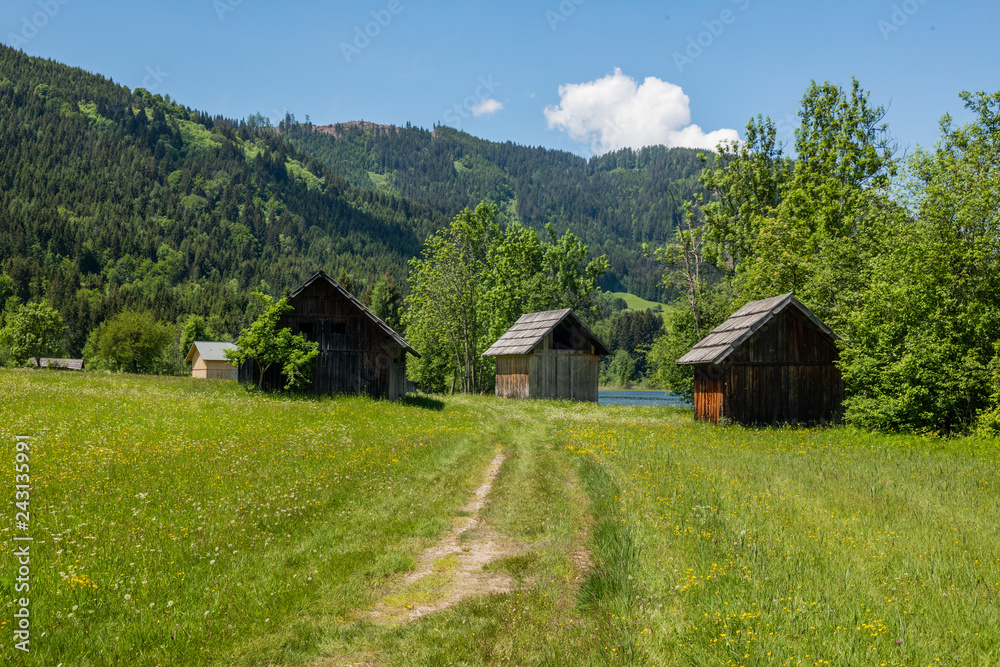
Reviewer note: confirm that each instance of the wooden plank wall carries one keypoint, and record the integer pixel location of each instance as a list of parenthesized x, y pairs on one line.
[(198, 367), (512, 376), (708, 393), (788, 338), (564, 374), (778, 394), (218, 370), (549, 374)]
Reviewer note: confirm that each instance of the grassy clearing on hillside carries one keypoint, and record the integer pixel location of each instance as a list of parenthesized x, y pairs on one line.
[(643, 538), (638, 303)]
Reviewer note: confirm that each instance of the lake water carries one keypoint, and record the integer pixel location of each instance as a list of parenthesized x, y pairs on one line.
[(648, 398)]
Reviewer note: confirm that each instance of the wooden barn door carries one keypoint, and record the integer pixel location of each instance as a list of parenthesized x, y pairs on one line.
[(707, 395)]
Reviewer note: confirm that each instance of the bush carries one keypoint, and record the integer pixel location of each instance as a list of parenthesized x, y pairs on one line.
[(132, 342), (989, 423)]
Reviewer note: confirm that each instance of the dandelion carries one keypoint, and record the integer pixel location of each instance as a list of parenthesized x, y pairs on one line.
[(128, 597), (170, 603)]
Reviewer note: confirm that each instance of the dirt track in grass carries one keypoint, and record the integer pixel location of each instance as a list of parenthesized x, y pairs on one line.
[(452, 569)]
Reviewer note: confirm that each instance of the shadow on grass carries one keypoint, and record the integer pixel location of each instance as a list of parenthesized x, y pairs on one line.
[(425, 402)]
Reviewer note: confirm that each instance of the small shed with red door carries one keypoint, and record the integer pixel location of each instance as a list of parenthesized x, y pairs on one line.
[(772, 362)]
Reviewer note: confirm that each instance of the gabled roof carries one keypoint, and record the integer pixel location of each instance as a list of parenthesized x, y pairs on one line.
[(741, 325), (531, 328), (321, 275), (210, 351)]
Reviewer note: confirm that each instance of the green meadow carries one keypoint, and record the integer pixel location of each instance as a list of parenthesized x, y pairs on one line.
[(187, 522), (637, 303)]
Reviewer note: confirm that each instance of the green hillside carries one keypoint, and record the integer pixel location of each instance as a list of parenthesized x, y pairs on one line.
[(113, 199), (614, 202)]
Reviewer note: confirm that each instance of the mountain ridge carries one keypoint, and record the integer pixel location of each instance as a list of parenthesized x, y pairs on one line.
[(614, 202), (114, 199)]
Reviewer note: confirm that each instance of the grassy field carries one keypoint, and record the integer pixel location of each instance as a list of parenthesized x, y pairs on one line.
[(183, 522), (637, 303)]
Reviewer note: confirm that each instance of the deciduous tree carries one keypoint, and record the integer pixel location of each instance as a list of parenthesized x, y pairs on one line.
[(474, 279), (921, 342), (131, 341), (264, 344), (35, 330)]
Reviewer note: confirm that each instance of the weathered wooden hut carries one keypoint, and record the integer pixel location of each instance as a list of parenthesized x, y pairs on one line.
[(771, 362), (358, 352), (208, 360), (551, 354)]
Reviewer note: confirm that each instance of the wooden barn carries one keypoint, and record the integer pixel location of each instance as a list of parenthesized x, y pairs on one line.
[(358, 352), (548, 355), (208, 361), (771, 362)]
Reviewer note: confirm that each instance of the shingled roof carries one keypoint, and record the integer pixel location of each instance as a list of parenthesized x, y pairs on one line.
[(531, 328), (209, 350), (741, 325), (321, 275)]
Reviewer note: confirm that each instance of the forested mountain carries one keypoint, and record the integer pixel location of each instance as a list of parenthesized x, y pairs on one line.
[(614, 202), (113, 199)]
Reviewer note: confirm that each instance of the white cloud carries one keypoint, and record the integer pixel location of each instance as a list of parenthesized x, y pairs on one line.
[(615, 112), (486, 107)]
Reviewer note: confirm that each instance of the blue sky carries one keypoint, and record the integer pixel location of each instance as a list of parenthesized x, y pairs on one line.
[(435, 62)]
